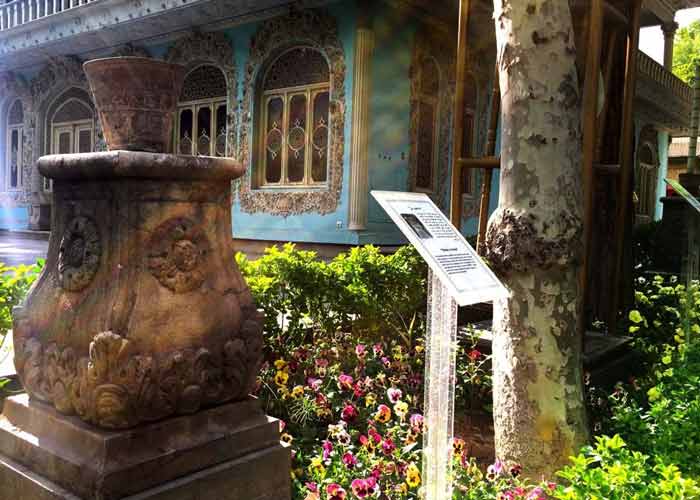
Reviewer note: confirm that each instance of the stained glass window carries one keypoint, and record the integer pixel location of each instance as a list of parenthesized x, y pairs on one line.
[(294, 122), (202, 110), (15, 141)]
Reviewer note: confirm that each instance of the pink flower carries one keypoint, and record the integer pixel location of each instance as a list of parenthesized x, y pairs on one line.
[(345, 382), (536, 494), (394, 395), (417, 422), (362, 488), (386, 362), (283, 424), (360, 351), (312, 487), (349, 413), (475, 355), (388, 446), (378, 350), (357, 391), (314, 383), (335, 492), (495, 470), (327, 449), (349, 460)]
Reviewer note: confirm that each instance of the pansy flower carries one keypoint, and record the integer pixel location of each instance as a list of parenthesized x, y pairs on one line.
[(327, 449), (335, 492), (458, 446), (361, 351), (345, 382), (281, 378), (297, 392), (412, 476), (349, 460), (349, 413), (394, 394), (388, 446), (401, 409), (280, 364), (370, 399), (383, 414), (417, 422), (363, 488)]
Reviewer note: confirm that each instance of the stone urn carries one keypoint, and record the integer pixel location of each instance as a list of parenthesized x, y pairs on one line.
[(140, 312)]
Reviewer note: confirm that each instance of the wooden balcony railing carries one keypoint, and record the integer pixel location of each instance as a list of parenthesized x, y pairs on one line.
[(19, 12), (656, 72)]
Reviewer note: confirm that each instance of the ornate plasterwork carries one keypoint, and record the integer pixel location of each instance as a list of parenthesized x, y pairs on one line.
[(316, 29), (428, 44), (215, 49), (13, 88), (59, 74)]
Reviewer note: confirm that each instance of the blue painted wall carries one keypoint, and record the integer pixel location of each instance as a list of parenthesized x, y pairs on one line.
[(14, 217), (389, 118), (331, 228)]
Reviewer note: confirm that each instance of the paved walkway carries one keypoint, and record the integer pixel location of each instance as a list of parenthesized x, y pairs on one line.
[(20, 248)]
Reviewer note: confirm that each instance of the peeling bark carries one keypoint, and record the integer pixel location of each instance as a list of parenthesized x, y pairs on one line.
[(534, 239)]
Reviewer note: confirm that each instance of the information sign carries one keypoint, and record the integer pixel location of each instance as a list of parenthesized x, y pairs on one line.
[(442, 246)]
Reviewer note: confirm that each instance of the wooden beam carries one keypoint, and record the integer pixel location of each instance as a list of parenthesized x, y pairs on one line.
[(490, 152), (487, 162), (609, 62), (458, 119), (626, 160), (590, 117)]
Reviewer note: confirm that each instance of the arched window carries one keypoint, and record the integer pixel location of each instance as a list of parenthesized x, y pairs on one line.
[(428, 124), (646, 178), (15, 143), (293, 120), (201, 115), (71, 129)]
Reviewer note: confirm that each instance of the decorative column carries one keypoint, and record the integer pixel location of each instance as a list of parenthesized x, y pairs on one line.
[(359, 175), (669, 30)]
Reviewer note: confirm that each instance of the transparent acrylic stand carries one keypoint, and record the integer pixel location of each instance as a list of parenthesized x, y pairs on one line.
[(441, 342)]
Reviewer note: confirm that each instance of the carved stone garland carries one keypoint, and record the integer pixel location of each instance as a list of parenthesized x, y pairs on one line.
[(428, 45), (214, 49), (307, 28), (115, 386)]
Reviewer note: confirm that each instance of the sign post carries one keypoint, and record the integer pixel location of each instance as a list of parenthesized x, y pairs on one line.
[(457, 277)]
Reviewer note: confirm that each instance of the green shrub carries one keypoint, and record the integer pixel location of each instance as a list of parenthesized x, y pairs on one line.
[(14, 285), (611, 471), (361, 291)]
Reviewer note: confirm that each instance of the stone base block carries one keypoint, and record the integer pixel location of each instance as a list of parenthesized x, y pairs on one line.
[(230, 452)]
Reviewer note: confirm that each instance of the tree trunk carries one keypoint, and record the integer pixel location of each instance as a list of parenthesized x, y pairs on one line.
[(535, 239)]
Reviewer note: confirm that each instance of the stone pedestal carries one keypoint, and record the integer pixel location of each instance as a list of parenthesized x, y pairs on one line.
[(230, 452)]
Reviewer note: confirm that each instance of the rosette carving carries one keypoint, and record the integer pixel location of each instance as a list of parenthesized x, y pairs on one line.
[(79, 254), (178, 249), (116, 386)]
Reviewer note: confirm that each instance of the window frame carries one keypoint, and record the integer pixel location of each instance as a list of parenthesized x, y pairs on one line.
[(310, 91), (214, 103), (19, 128), (73, 128)]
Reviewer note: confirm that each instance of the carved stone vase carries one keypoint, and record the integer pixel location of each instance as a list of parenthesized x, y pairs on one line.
[(140, 312)]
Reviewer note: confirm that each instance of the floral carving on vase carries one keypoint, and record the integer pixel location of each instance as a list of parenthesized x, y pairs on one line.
[(178, 249), (116, 386), (79, 254)]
